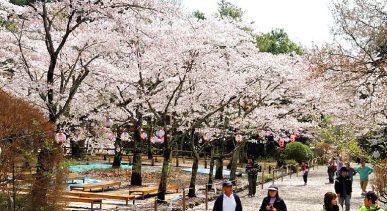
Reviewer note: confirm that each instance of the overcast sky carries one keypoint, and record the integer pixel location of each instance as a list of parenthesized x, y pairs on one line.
[(306, 21)]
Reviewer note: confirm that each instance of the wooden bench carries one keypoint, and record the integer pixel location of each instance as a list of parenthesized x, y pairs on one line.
[(89, 187), (152, 190), (75, 177), (92, 201), (101, 196)]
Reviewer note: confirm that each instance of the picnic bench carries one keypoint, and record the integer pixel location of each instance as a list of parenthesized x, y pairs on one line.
[(101, 196), (102, 185), (152, 190), (73, 177), (92, 201)]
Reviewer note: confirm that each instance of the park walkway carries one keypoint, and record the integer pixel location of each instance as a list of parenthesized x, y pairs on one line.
[(297, 196)]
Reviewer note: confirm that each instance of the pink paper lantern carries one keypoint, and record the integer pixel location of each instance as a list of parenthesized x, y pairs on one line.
[(282, 142), (292, 138), (238, 138), (60, 138), (207, 136), (108, 123)]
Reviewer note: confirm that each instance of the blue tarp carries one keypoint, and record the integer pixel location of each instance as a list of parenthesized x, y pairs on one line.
[(85, 167)]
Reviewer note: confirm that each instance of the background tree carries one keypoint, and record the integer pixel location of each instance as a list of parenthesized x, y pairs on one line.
[(228, 10), (277, 42), (355, 63), (199, 15)]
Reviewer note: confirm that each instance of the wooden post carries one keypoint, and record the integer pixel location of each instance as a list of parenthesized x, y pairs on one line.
[(206, 201), (263, 173), (205, 161), (155, 204), (297, 169), (273, 176), (184, 199), (183, 159), (153, 161)]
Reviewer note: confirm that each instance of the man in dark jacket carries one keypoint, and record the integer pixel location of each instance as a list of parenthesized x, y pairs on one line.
[(343, 188), (228, 201), (252, 172)]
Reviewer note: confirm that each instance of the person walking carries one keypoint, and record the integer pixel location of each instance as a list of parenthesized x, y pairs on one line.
[(343, 188), (228, 201), (339, 164), (331, 171), (351, 171), (364, 171), (330, 202), (305, 171), (370, 202), (252, 169), (273, 202)]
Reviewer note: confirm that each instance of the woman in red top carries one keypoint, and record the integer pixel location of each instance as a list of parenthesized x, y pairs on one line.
[(305, 171)]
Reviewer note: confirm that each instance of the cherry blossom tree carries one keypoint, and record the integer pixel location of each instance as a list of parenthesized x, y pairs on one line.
[(52, 55), (355, 63)]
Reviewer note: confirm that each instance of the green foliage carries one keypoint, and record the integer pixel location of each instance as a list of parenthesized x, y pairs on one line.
[(6, 201), (298, 151), (9, 25), (20, 2), (228, 10), (277, 42), (199, 15)]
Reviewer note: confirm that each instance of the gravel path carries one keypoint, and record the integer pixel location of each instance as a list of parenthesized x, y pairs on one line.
[(297, 196)]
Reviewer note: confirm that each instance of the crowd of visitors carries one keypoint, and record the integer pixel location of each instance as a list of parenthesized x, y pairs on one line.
[(339, 173)]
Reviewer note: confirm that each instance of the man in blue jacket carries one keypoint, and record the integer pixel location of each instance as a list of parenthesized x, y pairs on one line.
[(228, 201)]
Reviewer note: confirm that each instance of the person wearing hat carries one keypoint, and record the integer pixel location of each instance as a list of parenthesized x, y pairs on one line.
[(273, 202), (228, 201), (343, 188), (364, 171), (351, 171), (370, 202)]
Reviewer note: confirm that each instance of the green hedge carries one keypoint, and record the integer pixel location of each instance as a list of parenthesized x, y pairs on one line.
[(298, 151)]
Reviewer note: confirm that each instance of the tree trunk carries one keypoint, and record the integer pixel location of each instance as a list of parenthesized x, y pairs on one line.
[(165, 169), (230, 163), (39, 192), (211, 174), (117, 152), (164, 174), (136, 178), (75, 149), (219, 168), (234, 162), (195, 166), (149, 148)]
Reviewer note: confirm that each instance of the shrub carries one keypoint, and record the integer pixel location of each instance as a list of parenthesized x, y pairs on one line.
[(298, 151)]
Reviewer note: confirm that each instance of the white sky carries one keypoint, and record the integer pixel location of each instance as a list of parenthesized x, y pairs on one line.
[(305, 21)]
